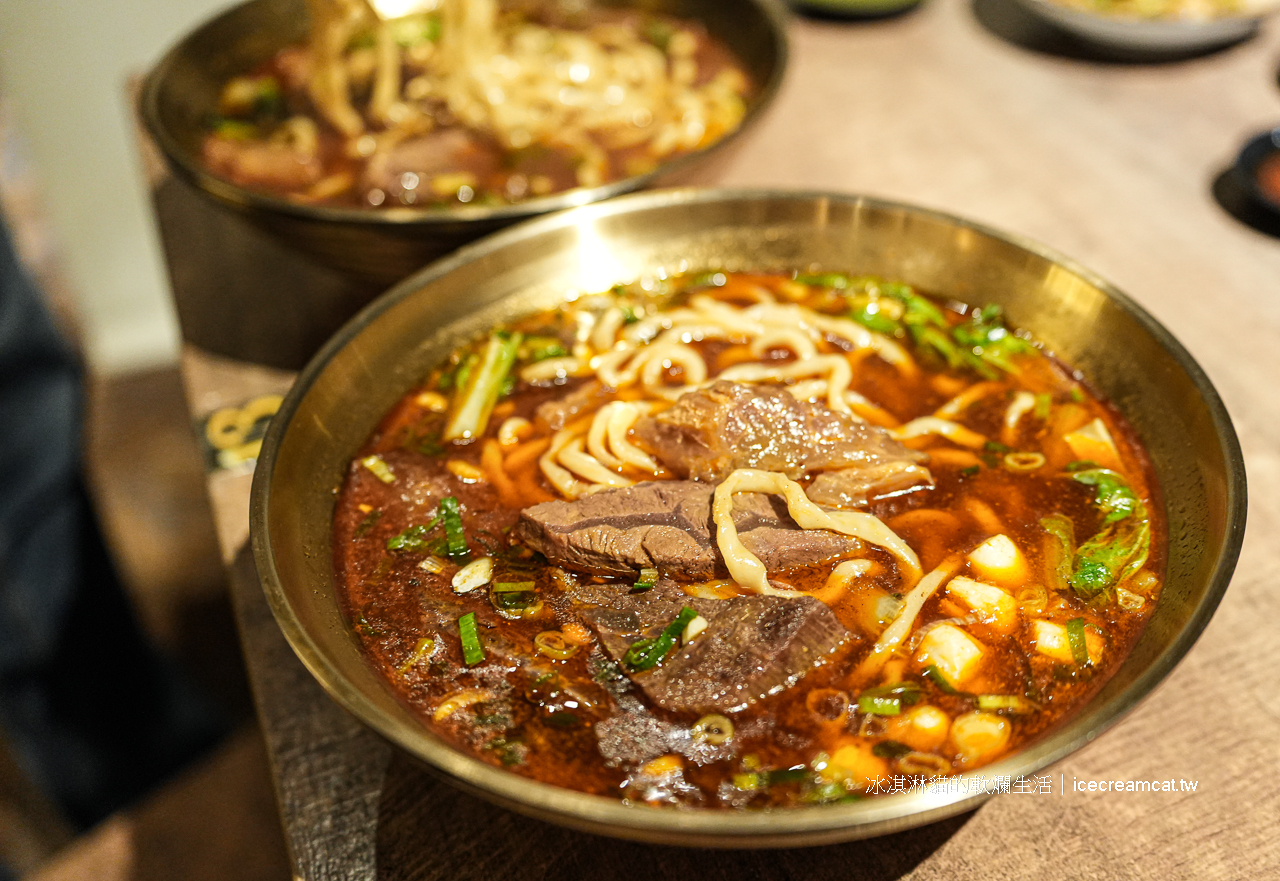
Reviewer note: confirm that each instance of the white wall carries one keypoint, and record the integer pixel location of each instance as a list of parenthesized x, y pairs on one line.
[(64, 65)]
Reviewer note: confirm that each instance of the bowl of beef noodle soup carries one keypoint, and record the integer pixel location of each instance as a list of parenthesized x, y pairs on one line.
[(376, 135), (745, 518)]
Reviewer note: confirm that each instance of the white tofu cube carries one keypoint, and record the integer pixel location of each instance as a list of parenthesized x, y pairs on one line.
[(955, 653), (998, 559), (991, 604), (1051, 640)]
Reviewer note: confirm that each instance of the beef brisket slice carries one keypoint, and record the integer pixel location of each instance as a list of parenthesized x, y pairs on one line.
[(753, 647), (729, 425), (667, 525)]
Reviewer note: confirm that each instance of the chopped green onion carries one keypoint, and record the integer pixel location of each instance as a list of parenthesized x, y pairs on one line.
[(1005, 703), (1079, 646), (873, 319), (553, 644), (451, 514), (481, 387), (235, 130), (1059, 555), (412, 539), (1024, 461), (472, 650), (646, 653), (970, 471), (552, 349), (378, 468), (748, 782), (1044, 401), (824, 280), (785, 775), (514, 596), (424, 647), (938, 678), (713, 729), (908, 692), (879, 706), (370, 521), (563, 719), (1077, 395), (890, 749), (648, 578)]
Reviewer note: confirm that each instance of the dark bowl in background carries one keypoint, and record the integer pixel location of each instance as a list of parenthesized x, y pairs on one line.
[(1251, 156)]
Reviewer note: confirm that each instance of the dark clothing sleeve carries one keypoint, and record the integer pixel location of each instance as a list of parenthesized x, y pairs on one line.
[(91, 711)]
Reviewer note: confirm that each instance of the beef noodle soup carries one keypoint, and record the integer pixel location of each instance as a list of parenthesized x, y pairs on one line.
[(470, 102), (734, 540)]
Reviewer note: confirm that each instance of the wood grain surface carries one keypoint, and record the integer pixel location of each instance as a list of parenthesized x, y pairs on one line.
[(977, 110)]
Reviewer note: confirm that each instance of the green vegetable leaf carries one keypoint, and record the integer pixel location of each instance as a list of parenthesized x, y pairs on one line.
[(987, 343), (1114, 497), (1110, 557), (875, 320)]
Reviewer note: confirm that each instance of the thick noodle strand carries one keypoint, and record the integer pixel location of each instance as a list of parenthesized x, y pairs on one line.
[(746, 568)]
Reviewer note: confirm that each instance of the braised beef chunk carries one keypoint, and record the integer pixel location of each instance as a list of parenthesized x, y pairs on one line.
[(752, 647), (589, 396), (853, 487), (728, 425), (667, 525)]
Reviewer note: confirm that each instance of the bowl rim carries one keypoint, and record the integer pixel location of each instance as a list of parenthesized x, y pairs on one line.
[(188, 166), (793, 826)]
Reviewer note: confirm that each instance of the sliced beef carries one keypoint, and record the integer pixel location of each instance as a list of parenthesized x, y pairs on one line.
[(728, 425), (667, 525), (275, 166), (441, 151), (752, 647)]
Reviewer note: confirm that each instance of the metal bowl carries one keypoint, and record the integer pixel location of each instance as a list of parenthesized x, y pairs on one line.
[(385, 245), (388, 348)]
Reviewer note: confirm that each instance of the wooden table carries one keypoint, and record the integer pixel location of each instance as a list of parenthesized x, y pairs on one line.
[(977, 110)]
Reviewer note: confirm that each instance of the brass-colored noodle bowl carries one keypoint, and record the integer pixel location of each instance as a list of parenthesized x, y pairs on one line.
[(387, 349), (386, 244)]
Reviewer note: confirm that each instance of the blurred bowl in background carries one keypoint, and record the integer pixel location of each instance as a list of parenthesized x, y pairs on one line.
[(314, 266), (1149, 36), (1258, 170)]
